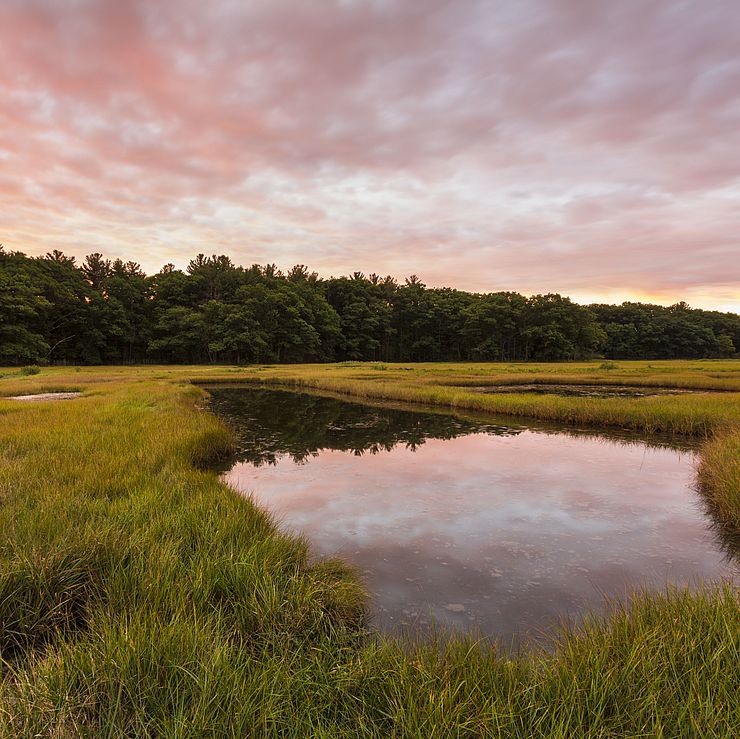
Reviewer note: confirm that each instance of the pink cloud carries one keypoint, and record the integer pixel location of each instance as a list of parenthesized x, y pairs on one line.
[(532, 145)]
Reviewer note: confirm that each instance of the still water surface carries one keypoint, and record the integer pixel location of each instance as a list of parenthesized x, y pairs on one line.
[(467, 522)]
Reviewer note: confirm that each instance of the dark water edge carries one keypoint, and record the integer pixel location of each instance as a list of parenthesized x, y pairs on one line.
[(472, 521)]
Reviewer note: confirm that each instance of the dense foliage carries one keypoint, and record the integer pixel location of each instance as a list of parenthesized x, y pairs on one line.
[(54, 311)]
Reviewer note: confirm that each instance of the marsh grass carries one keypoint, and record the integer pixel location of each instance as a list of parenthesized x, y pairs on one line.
[(139, 596), (695, 414), (719, 479)]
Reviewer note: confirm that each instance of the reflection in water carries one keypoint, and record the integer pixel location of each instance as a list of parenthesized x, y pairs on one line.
[(270, 424), (471, 523)]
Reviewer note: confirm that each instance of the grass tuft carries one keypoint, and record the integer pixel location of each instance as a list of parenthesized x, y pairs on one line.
[(719, 478)]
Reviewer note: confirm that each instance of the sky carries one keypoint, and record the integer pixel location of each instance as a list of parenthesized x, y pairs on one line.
[(586, 147)]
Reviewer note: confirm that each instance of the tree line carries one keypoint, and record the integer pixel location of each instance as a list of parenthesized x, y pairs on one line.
[(53, 310)]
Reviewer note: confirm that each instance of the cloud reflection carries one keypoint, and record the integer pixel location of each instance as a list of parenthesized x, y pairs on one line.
[(508, 531)]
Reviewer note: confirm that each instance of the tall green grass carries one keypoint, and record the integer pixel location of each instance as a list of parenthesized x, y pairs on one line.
[(139, 596), (719, 478)]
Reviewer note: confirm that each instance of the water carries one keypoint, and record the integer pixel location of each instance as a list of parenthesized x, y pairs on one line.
[(465, 521)]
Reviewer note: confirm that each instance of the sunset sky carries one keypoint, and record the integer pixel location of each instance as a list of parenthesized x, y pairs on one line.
[(576, 146)]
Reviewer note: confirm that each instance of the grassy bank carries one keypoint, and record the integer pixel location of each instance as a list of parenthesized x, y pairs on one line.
[(455, 386), (719, 477), (141, 597)]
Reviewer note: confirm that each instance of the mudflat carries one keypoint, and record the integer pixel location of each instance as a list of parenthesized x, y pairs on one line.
[(45, 396)]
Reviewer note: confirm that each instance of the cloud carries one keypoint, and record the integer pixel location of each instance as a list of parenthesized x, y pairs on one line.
[(588, 148)]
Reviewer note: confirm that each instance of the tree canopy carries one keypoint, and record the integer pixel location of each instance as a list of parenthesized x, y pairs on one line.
[(55, 311)]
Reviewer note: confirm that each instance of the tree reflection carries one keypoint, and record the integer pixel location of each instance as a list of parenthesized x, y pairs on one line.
[(269, 424)]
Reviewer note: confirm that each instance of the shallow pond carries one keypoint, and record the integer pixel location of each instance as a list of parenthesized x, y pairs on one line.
[(466, 521)]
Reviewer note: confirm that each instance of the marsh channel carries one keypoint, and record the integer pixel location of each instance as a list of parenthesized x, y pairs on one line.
[(460, 521)]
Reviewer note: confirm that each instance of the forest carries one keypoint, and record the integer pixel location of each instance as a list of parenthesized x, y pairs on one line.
[(54, 311)]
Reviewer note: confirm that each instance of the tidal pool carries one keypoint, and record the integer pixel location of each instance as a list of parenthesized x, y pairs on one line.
[(463, 521)]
